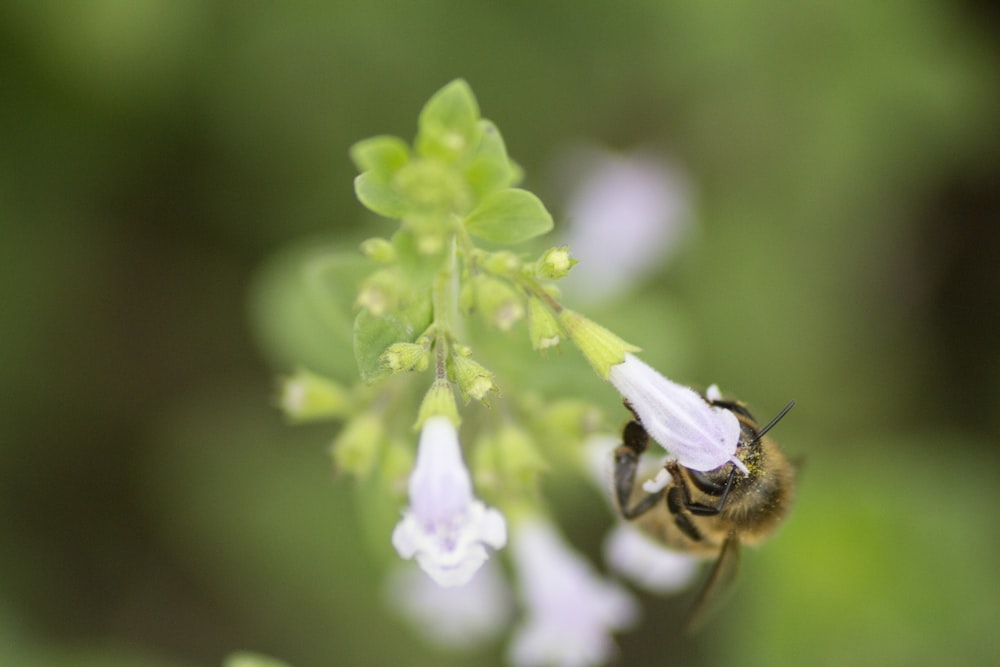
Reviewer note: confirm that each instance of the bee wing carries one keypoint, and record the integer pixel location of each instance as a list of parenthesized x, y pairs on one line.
[(717, 583)]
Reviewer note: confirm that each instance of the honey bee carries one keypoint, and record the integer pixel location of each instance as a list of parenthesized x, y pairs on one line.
[(711, 513)]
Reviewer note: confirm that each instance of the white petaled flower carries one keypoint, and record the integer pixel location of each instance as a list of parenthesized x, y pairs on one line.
[(454, 617), (646, 562), (625, 216), (570, 610), (698, 435), (446, 528)]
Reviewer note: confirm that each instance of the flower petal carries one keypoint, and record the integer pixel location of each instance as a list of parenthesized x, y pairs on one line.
[(647, 563), (700, 436), (571, 611), (445, 527)]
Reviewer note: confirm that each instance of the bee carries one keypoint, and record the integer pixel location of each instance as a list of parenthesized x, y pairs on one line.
[(711, 513)]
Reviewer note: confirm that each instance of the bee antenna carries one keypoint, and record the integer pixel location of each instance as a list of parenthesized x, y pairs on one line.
[(771, 424)]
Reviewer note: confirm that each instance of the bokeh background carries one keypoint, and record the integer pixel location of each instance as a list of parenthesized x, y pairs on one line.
[(156, 157)]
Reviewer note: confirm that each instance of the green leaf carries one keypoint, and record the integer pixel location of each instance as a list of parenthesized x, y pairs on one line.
[(448, 125), (490, 168), (376, 192), (384, 154), (301, 304), (372, 335), (509, 216)]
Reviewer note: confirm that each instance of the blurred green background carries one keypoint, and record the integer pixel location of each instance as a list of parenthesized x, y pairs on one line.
[(155, 155)]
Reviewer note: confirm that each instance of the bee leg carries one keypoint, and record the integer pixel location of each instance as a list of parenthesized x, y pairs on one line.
[(676, 505), (700, 509), (635, 440)]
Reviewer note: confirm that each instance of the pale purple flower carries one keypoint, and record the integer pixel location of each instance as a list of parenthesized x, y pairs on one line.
[(570, 611), (446, 527), (647, 563), (455, 617), (625, 215), (700, 436)]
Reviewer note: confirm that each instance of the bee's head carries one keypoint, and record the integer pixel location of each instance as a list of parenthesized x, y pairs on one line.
[(750, 434)]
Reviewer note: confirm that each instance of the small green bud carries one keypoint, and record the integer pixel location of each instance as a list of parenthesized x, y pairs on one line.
[(520, 459), (307, 396), (381, 292), (402, 357), (507, 463), (498, 303), (473, 378), (356, 447), (601, 347), (439, 400), (555, 263), (543, 327), (379, 250), (564, 424), (502, 263)]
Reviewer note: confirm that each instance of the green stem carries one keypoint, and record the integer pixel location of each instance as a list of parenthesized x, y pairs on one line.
[(445, 304), (533, 287)]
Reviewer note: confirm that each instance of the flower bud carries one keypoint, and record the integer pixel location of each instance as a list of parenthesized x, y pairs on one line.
[(555, 263), (356, 448), (502, 262), (307, 396), (379, 250), (565, 423), (473, 378), (543, 328), (498, 302), (602, 348), (402, 357), (519, 457), (380, 292)]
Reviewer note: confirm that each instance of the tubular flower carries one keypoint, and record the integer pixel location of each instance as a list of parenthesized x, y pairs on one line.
[(446, 527), (456, 617), (571, 611), (698, 435), (647, 563)]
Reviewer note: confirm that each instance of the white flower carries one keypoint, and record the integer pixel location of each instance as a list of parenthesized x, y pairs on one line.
[(698, 435), (456, 617), (625, 216), (570, 611), (445, 526), (648, 563)]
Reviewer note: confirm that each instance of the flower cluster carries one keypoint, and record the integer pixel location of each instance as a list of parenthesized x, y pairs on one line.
[(429, 303)]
